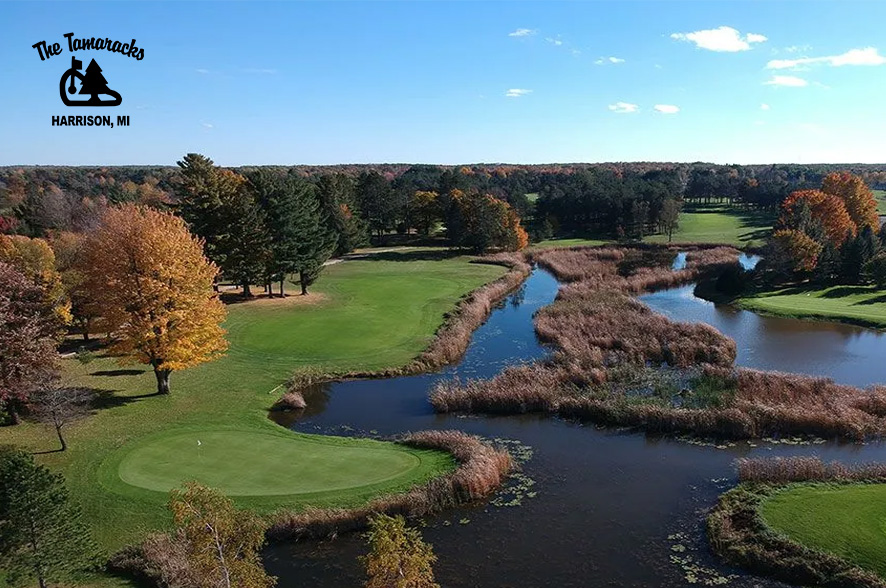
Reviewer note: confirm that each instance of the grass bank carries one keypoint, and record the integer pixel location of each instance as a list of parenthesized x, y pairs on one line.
[(362, 316), (859, 305), (806, 522)]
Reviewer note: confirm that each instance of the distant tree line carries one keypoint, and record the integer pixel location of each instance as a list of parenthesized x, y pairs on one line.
[(359, 202)]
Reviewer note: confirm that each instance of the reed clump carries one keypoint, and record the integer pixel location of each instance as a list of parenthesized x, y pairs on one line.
[(788, 470)]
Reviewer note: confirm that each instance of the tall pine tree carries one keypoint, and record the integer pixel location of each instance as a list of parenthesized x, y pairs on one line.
[(41, 534), (337, 194)]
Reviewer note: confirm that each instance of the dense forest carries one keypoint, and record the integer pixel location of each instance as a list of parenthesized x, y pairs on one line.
[(624, 200)]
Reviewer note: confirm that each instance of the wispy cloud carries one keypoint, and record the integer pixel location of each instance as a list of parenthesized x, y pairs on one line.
[(667, 108), (206, 125), (523, 33), (866, 56), (765, 107), (517, 92), (554, 41), (725, 39), (624, 108), (606, 60), (787, 81), (202, 71)]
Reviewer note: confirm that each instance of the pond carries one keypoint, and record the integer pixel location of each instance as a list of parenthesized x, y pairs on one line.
[(611, 507)]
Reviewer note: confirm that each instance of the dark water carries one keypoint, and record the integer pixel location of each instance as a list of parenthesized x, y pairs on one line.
[(609, 506)]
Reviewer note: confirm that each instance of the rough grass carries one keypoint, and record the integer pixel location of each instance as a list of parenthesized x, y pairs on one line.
[(720, 224), (376, 314), (861, 305)]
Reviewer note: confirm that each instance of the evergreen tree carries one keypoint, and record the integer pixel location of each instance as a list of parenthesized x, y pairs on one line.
[(316, 242), (377, 202), (856, 253), (41, 534), (337, 194)]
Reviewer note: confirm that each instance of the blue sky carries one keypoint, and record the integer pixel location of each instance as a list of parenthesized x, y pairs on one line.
[(458, 82)]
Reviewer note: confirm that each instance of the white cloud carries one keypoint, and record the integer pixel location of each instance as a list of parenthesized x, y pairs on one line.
[(720, 39), (202, 71), (523, 33), (554, 41), (624, 108), (206, 125), (517, 92), (613, 60), (866, 56), (765, 107), (789, 81), (667, 108)]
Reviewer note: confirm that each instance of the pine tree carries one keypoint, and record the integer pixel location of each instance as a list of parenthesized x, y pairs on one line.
[(337, 194), (94, 82), (41, 534), (279, 199), (316, 242)]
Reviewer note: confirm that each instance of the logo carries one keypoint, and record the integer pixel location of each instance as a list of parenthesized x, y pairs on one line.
[(88, 87), (92, 83)]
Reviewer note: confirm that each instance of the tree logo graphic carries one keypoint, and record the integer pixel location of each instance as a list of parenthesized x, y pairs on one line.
[(92, 84)]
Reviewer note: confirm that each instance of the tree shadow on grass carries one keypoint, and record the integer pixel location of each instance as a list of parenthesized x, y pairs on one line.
[(421, 255), (105, 399), (132, 372), (843, 291)]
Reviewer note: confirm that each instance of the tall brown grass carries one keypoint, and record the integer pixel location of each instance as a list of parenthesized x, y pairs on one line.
[(595, 326), (787, 470)]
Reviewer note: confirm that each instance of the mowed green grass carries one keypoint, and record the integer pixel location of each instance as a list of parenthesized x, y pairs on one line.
[(848, 521), (862, 305), (711, 224), (720, 224), (880, 195), (361, 315)]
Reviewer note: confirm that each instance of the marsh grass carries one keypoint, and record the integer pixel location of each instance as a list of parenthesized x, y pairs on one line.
[(617, 362)]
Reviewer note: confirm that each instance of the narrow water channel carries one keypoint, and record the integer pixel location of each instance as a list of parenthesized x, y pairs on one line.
[(613, 508)]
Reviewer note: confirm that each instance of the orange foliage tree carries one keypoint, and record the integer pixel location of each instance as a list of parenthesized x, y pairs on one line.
[(154, 285), (855, 194), (800, 250), (482, 222), (827, 209), (35, 259)]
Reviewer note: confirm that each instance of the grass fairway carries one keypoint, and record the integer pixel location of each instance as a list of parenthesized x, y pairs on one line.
[(880, 195), (861, 305), (551, 243), (720, 224), (362, 315), (849, 521)]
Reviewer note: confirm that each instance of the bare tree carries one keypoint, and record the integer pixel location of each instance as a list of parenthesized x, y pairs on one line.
[(59, 405)]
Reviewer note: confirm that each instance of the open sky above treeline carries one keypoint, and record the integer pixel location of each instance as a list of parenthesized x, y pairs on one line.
[(435, 82)]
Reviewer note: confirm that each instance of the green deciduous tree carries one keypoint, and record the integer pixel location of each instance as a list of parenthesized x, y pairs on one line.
[(398, 557), (41, 534)]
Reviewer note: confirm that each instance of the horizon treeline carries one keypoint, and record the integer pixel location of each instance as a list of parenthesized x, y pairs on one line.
[(375, 202)]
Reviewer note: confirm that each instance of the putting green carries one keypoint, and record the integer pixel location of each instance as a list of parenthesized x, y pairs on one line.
[(252, 463)]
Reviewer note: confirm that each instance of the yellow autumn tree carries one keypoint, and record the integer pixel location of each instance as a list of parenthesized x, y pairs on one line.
[(154, 286), (856, 196), (35, 260), (222, 544)]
